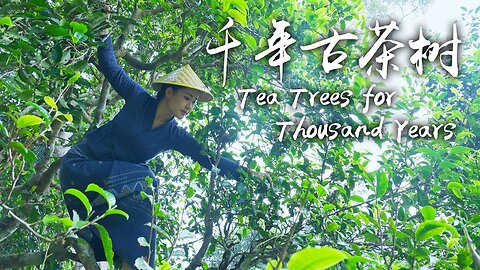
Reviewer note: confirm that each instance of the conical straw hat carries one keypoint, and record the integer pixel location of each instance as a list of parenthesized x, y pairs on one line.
[(186, 77)]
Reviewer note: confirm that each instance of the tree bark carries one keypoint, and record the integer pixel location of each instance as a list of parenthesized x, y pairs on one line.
[(56, 252)]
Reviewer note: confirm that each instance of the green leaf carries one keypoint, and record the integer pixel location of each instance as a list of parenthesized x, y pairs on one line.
[(447, 165), (6, 21), (262, 3), (328, 207), (56, 31), (48, 219), (144, 195), (356, 248), (190, 192), (166, 266), (107, 244), (273, 264), (77, 193), (241, 5), (159, 230), (28, 154), (42, 111), (460, 150), (116, 212), (57, 53), (353, 262), (321, 191), (452, 242), (357, 198), (109, 197), (226, 5), (67, 222), (68, 116), (74, 78), (456, 188), (428, 151), (428, 212), (251, 42), (382, 184), (50, 102), (28, 120), (4, 130), (332, 226), (464, 259), (238, 16), (79, 27), (315, 258), (77, 36), (429, 229), (149, 181)]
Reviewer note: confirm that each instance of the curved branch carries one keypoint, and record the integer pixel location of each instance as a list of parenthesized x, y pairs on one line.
[(85, 253), (101, 105), (27, 225), (43, 181), (136, 15), (207, 237), (471, 248), (177, 55), (57, 252), (132, 61)]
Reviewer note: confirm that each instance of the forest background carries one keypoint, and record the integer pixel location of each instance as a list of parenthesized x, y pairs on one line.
[(370, 203)]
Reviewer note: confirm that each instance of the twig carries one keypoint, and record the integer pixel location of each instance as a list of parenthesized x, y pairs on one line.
[(46, 257), (10, 212)]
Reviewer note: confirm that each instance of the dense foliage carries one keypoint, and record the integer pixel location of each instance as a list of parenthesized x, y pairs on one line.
[(414, 203)]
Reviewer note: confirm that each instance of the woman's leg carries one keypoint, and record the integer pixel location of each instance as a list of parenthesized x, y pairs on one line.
[(126, 181)]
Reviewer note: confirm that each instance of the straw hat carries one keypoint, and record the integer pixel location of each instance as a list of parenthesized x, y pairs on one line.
[(186, 77)]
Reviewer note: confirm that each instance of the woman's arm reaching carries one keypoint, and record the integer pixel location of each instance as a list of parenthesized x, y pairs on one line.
[(116, 76), (187, 145)]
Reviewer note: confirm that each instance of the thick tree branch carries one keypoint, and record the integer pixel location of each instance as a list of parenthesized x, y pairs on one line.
[(132, 61), (56, 251), (42, 166), (207, 237), (136, 15), (84, 253), (101, 105), (176, 56), (44, 180)]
